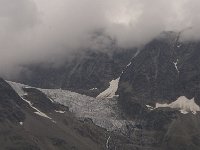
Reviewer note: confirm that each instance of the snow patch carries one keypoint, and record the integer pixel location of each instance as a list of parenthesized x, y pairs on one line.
[(149, 107), (183, 104), (59, 111), (112, 89), (93, 89), (179, 45), (103, 113), (110, 92)]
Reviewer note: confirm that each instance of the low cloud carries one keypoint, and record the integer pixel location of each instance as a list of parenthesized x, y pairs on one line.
[(45, 30)]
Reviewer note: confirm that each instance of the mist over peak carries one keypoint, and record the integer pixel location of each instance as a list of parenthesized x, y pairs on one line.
[(42, 30)]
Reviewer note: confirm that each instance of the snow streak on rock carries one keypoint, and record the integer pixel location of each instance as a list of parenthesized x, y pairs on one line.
[(93, 89), (59, 111), (149, 107), (107, 142), (19, 90), (176, 66), (38, 112)]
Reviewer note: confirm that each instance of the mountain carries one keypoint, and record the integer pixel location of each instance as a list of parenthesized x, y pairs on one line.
[(88, 72), (31, 123), (164, 70), (55, 119), (160, 89), (142, 99)]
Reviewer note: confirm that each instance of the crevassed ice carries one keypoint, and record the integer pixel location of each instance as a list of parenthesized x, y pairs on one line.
[(104, 113), (183, 104)]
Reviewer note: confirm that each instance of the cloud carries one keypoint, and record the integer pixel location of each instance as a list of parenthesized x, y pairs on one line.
[(45, 30)]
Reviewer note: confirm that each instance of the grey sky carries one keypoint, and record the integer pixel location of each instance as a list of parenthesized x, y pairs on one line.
[(35, 30)]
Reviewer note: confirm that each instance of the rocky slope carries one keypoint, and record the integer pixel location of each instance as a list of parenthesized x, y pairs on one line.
[(89, 72), (164, 70), (160, 89), (152, 102), (32, 121)]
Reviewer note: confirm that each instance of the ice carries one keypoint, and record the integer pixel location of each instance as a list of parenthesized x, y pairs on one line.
[(103, 112)]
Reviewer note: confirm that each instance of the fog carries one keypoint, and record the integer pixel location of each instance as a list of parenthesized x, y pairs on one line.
[(46, 30)]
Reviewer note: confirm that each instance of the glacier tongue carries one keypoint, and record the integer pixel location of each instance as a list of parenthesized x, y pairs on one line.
[(104, 113)]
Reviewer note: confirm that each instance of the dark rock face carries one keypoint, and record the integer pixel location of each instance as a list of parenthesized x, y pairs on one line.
[(41, 101), (9, 104), (21, 128), (88, 70), (164, 70)]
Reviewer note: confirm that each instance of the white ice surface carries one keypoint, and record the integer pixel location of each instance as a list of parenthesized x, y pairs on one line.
[(103, 112)]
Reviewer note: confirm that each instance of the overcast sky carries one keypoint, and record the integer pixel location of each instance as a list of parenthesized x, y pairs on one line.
[(35, 30)]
